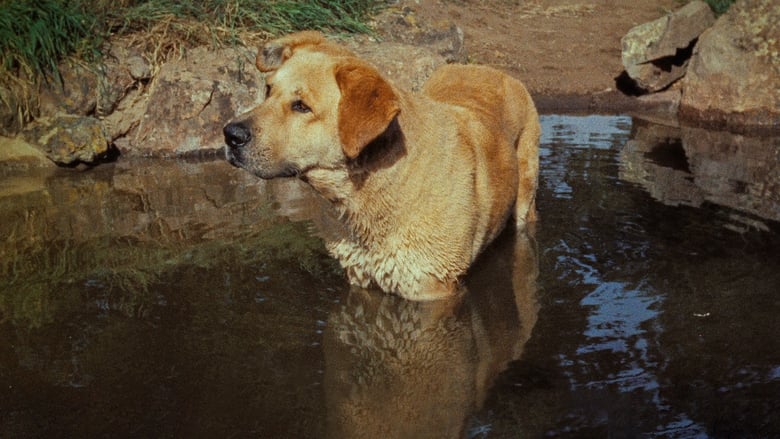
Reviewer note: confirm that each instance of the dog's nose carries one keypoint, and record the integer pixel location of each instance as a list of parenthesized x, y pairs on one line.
[(237, 134)]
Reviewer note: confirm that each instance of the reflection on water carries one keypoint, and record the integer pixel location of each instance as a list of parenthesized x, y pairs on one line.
[(175, 299), (692, 166), (400, 369)]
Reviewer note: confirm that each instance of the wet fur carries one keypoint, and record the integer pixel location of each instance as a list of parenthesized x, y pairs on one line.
[(423, 182)]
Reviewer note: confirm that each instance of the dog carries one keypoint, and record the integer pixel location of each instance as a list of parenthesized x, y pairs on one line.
[(423, 182)]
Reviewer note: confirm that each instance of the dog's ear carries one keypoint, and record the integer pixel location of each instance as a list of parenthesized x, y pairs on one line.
[(276, 52), (368, 104)]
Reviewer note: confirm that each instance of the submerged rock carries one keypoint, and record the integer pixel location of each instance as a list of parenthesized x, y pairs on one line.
[(734, 76), (69, 140), (655, 54)]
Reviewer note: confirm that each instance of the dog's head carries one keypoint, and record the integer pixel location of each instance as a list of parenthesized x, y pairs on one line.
[(322, 107)]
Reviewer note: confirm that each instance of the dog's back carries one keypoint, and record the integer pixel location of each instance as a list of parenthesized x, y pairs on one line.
[(503, 104)]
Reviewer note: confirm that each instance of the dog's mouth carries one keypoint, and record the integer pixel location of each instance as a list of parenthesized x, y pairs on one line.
[(237, 158)]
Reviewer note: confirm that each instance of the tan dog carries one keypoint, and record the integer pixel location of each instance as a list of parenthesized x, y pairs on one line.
[(423, 182)]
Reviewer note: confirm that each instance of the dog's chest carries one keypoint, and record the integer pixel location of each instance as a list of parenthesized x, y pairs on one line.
[(393, 267)]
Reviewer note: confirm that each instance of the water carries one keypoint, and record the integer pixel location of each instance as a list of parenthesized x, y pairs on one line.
[(189, 299)]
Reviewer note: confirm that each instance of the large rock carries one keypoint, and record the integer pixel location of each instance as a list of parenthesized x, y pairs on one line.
[(190, 101), (18, 156), (95, 90), (407, 66), (655, 54), (69, 140), (734, 76), (403, 25)]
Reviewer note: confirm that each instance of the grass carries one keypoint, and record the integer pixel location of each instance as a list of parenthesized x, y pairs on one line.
[(36, 35), (719, 6)]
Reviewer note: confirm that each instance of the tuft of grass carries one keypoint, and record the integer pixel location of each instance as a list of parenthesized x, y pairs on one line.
[(36, 35), (719, 6)]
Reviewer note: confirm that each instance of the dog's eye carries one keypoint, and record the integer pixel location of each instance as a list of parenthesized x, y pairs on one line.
[(299, 107)]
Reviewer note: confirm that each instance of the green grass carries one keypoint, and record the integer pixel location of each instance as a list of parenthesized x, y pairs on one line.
[(719, 6), (36, 35)]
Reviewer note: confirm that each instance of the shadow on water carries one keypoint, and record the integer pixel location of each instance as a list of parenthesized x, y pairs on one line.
[(176, 299)]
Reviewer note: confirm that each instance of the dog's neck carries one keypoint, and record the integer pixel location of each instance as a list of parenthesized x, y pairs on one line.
[(361, 190)]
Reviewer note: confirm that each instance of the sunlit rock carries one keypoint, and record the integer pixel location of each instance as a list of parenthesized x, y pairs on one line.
[(69, 140), (192, 98), (16, 155), (734, 76), (443, 37), (655, 54)]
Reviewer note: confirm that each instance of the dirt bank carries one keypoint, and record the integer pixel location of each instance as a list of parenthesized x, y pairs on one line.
[(567, 52)]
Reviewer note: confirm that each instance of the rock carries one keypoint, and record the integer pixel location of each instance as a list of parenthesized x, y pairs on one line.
[(190, 101), (68, 139), (16, 155), (734, 76), (73, 93), (126, 116), (95, 90), (402, 25), (655, 54), (408, 67)]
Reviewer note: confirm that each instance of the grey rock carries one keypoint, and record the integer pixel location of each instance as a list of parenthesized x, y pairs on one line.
[(655, 54)]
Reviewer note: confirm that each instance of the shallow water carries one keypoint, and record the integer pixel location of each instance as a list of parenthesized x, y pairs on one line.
[(188, 299)]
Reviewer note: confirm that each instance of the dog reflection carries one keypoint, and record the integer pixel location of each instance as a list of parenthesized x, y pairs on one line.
[(403, 369)]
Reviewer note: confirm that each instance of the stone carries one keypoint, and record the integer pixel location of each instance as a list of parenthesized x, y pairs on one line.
[(191, 99), (402, 25), (17, 155), (655, 54), (68, 139), (95, 90), (407, 66), (126, 116), (733, 79), (73, 92)]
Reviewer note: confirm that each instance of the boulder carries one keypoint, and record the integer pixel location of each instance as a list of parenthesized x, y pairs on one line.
[(190, 101), (95, 90), (16, 155), (74, 91), (655, 54), (407, 66), (68, 139), (402, 25), (734, 76)]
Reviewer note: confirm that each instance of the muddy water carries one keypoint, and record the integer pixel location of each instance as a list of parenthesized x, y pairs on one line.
[(181, 299)]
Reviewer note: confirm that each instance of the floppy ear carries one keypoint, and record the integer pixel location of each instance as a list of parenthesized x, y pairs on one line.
[(276, 52), (368, 104)]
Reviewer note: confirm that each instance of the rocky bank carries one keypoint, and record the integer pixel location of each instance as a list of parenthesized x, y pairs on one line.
[(721, 73)]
